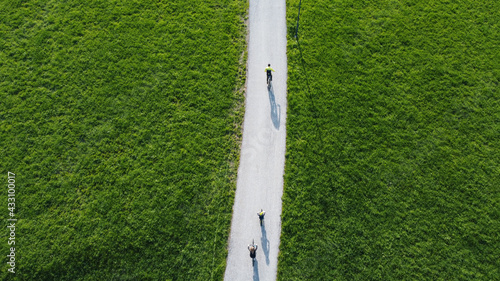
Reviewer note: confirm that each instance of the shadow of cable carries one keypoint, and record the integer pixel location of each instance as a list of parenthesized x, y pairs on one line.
[(315, 111), (256, 271), (264, 242), (275, 108)]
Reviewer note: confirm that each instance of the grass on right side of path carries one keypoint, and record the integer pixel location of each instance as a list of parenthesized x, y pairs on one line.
[(393, 142)]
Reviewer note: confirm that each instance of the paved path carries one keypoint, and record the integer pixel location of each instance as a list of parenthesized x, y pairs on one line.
[(260, 174)]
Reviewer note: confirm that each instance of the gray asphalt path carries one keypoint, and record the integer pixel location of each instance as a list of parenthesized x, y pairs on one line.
[(260, 174)]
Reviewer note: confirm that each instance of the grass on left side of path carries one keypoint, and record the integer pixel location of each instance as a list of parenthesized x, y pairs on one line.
[(122, 123)]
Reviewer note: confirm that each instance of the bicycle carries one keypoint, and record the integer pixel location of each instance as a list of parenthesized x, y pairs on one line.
[(253, 251), (261, 216), (269, 71)]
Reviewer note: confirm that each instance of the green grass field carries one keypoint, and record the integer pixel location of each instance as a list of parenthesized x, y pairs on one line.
[(393, 147), (122, 122)]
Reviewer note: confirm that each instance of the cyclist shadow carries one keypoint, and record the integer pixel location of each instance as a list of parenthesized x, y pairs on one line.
[(275, 108), (256, 271), (264, 242)]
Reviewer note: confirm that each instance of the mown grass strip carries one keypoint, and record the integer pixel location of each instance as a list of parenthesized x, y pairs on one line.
[(392, 168), (121, 120)]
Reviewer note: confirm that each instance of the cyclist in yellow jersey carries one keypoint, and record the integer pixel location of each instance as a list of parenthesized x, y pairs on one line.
[(269, 74), (261, 215)]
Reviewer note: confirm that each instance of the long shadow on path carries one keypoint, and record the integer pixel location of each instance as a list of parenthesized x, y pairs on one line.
[(275, 115), (256, 271), (265, 243)]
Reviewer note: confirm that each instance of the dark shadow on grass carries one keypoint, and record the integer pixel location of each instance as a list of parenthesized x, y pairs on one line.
[(264, 242), (256, 271), (275, 108)]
